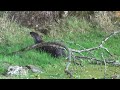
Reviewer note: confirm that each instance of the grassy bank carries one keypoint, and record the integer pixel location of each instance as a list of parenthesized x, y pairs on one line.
[(75, 33)]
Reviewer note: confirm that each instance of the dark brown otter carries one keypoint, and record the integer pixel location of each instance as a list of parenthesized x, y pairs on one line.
[(53, 49)]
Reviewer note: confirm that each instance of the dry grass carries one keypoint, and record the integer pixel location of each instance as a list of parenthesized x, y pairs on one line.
[(33, 18), (11, 32), (42, 19), (103, 19)]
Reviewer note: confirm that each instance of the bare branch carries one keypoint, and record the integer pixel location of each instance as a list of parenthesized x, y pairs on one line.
[(105, 66), (98, 60), (98, 47), (113, 33), (68, 63), (53, 44)]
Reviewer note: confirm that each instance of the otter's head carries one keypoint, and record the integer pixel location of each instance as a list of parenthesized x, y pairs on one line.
[(36, 37)]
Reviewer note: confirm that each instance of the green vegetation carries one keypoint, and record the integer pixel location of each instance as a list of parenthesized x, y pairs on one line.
[(71, 31)]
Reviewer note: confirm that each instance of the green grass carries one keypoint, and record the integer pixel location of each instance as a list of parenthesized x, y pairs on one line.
[(75, 33)]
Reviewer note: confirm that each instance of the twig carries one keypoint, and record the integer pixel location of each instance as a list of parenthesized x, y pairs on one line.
[(68, 63), (53, 44), (98, 60), (105, 66), (113, 33)]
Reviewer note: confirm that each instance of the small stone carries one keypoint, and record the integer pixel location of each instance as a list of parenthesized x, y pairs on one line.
[(34, 69), (17, 70)]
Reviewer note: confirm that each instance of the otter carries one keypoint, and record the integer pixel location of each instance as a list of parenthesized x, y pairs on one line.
[(55, 49)]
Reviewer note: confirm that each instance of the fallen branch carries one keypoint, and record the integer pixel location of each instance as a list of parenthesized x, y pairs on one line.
[(53, 44), (94, 59), (99, 46), (105, 66), (68, 63)]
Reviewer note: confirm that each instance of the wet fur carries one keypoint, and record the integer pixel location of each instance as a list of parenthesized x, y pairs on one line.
[(53, 48)]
